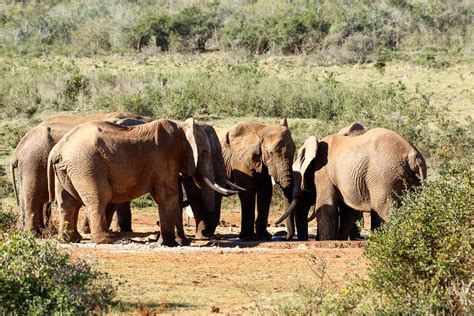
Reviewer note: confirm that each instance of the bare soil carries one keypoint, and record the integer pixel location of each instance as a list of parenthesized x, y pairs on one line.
[(223, 275)]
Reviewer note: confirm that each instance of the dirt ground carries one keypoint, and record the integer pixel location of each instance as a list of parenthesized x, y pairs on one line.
[(224, 275)]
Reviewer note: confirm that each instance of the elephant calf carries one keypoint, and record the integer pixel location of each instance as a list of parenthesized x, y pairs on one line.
[(352, 171)]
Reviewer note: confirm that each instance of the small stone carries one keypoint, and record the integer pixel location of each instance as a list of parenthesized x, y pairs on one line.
[(215, 309)]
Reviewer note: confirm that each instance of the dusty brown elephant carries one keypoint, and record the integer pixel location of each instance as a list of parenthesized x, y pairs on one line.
[(206, 220), (352, 171), (253, 154), (30, 157), (98, 163)]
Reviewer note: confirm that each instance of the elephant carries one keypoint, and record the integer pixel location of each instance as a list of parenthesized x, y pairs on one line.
[(30, 157), (356, 170), (98, 163), (197, 196), (254, 153), (205, 225)]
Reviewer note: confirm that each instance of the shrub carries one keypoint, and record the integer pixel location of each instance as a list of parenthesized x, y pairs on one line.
[(430, 57), (8, 220), (195, 25), (152, 27), (422, 258), (36, 277)]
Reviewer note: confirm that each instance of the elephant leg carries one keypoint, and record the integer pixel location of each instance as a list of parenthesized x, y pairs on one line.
[(327, 221), (109, 213), (33, 212), (124, 217), (68, 208), (84, 226), (375, 220), (247, 201), (167, 198), (194, 196), (181, 238), (264, 198), (289, 224), (301, 218), (97, 214), (347, 222)]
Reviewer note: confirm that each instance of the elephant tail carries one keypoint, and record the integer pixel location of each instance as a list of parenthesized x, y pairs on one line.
[(13, 166), (418, 165), (52, 159)]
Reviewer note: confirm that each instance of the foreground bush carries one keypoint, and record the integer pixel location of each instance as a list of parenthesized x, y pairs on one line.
[(36, 277), (422, 258)]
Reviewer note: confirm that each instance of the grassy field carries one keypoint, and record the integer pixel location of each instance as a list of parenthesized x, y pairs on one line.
[(433, 108)]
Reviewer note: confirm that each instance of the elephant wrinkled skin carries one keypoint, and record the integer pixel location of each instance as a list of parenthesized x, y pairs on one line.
[(98, 163), (352, 171), (30, 158)]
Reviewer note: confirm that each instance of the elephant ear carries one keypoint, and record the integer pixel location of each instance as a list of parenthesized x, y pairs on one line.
[(191, 159), (352, 130), (306, 154), (242, 149)]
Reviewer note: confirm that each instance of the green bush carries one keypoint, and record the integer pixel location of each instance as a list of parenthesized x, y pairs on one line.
[(36, 277), (8, 220), (422, 258), (341, 31), (195, 25), (152, 27), (430, 57)]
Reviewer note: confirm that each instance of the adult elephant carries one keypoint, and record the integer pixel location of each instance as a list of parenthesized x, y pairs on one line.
[(98, 163), (29, 160), (206, 220), (352, 171), (197, 196), (254, 153)]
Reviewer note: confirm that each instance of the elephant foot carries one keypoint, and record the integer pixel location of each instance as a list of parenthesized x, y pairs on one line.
[(102, 238), (126, 230), (73, 237), (203, 234), (264, 235), (167, 242), (85, 228), (247, 236), (289, 237), (183, 241)]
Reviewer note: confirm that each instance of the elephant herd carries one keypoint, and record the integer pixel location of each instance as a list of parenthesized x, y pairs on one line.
[(102, 162)]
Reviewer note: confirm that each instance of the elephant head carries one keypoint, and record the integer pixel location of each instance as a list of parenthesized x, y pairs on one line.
[(207, 179), (256, 148)]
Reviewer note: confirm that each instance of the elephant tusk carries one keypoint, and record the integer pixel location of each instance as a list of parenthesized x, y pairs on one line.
[(234, 186), (288, 211), (218, 188), (229, 191), (312, 215), (196, 182)]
